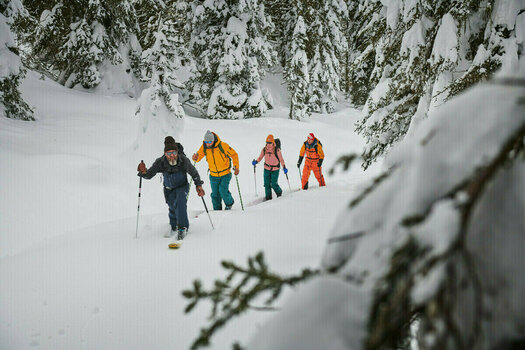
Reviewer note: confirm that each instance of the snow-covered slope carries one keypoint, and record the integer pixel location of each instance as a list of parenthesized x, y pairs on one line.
[(72, 274)]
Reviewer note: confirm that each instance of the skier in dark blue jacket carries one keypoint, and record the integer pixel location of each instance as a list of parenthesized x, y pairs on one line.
[(174, 166)]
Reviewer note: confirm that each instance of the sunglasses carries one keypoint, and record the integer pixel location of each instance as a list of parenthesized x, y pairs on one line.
[(171, 153), (208, 142), (269, 143)]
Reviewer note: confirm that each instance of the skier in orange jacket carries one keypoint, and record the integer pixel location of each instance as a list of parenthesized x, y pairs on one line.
[(314, 159)]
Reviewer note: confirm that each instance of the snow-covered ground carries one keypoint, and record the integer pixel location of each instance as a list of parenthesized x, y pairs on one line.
[(72, 273)]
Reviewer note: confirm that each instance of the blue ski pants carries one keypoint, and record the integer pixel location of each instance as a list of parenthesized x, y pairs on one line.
[(176, 200), (220, 191)]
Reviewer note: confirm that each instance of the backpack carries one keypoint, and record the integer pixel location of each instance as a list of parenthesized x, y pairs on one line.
[(318, 142), (277, 146)]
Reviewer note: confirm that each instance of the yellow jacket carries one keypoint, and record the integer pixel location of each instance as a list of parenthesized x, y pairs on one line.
[(219, 157)]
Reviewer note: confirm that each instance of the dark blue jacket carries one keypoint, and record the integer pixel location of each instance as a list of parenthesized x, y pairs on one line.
[(174, 175)]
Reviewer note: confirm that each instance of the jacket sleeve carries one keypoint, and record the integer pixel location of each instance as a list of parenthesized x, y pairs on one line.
[(260, 156), (233, 155), (155, 168), (280, 156), (320, 151), (200, 153), (301, 152), (190, 169)]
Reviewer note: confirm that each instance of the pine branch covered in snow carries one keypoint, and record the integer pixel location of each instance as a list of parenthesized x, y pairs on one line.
[(237, 293)]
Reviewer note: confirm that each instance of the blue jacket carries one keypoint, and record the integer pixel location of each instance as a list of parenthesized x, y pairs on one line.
[(174, 175)]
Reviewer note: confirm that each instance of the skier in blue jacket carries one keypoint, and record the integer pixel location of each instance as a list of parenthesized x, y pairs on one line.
[(174, 166)]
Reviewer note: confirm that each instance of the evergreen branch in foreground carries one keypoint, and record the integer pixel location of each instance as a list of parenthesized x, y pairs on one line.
[(230, 299)]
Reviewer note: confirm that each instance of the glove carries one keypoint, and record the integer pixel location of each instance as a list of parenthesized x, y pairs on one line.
[(285, 171), (299, 161), (200, 191), (254, 162), (319, 162), (235, 171), (142, 168), (195, 156)]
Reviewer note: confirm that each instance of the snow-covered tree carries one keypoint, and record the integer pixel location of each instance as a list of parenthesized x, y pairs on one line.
[(438, 238), (296, 72), (428, 52), (159, 104), (12, 71), (75, 41), (231, 51), (328, 45)]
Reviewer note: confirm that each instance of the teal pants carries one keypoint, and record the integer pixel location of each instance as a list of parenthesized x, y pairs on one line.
[(270, 181), (220, 191)]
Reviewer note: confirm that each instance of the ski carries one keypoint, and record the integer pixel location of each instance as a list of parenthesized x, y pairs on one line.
[(175, 245)]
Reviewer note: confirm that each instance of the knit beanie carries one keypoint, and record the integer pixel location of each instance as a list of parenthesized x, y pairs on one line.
[(311, 136), (270, 138), (170, 146), (209, 136)]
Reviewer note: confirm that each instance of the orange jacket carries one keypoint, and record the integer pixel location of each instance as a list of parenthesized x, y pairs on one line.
[(219, 161), (313, 151)]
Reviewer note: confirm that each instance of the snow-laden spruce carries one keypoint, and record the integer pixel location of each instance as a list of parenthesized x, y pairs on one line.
[(296, 72), (83, 43), (423, 54), (12, 71), (438, 236), (327, 46), (231, 51)]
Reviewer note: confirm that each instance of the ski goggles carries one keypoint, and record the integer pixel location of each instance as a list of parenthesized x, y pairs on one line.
[(208, 142), (171, 153)]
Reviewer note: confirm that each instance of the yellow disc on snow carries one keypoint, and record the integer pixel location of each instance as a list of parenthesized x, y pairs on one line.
[(174, 245)]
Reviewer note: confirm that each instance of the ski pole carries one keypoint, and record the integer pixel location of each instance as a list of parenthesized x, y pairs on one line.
[(239, 189), (191, 181), (207, 212), (300, 179), (289, 187), (255, 180), (138, 207)]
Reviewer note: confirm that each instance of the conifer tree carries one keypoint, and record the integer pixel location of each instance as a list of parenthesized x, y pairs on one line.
[(419, 55), (71, 40), (328, 45), (159, 64), (12, 71), (296, 72), (231, 51)]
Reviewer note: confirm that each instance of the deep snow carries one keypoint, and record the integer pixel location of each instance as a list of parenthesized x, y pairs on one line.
[(72, 274)]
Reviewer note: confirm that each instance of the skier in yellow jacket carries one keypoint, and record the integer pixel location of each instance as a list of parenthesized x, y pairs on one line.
[(219, 156)]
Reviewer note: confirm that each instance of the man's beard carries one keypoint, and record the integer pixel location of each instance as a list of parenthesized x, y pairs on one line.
[(172, 161)]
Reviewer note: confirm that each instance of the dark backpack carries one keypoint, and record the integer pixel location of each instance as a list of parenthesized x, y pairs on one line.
[(318, 142), (277, 146)]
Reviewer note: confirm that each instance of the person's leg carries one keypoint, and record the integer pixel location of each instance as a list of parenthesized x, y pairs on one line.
[(318, 175), (306, 175), (181, 207), (267, 184), (215, 195), (274, 177), (224, 190), (169, 196)]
